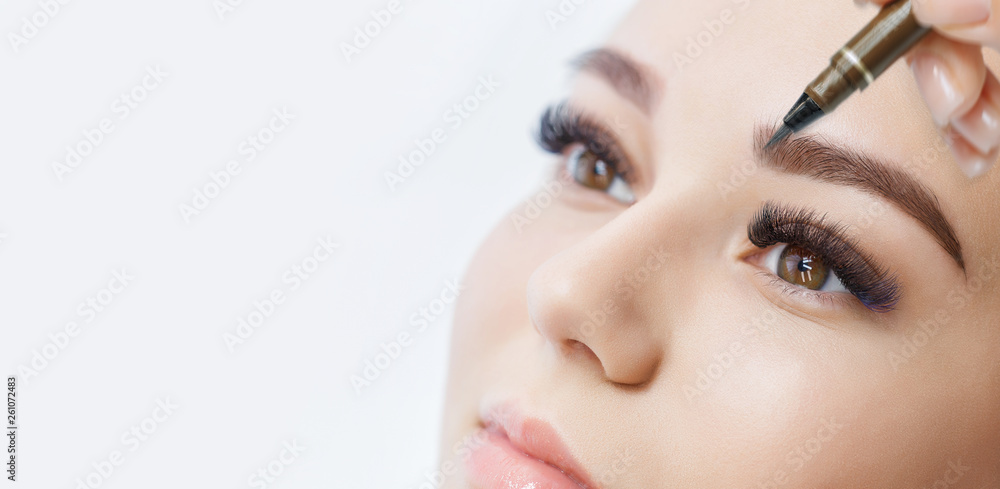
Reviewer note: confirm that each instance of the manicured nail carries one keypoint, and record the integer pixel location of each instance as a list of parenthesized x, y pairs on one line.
[(935, 83), (976, 166), (970, 160), (950, 12), (981, 125)]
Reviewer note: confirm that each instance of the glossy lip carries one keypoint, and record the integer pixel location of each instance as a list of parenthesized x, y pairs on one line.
[(523, 452)]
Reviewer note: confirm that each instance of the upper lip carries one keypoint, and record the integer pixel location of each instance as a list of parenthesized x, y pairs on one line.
[(536, 438)]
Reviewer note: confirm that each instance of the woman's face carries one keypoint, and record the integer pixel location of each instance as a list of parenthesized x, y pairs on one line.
[(682, 308)]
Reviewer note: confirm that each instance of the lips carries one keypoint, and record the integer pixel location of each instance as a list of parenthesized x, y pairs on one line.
[(521, 452)]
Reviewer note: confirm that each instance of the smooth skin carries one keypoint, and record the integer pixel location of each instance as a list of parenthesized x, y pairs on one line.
[(655, 341)]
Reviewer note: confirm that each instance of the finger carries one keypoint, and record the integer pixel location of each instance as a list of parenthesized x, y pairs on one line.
[(980, 128), (986, 34), (862, 3), (969, 21), (969, 159), (941, 13), (949, 74)]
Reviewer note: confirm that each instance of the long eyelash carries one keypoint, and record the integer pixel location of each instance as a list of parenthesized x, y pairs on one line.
[(870, 282), (562, 125)]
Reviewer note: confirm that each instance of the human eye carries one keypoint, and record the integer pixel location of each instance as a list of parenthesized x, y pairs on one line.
[(806, 254), (593, 157), (803, 267)]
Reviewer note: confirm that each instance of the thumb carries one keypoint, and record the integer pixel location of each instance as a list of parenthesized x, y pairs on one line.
[(968, 21)]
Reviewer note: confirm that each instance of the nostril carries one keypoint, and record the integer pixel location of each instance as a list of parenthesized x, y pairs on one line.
[(581, 349)]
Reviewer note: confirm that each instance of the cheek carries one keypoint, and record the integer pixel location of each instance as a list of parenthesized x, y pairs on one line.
[(780, 418), (763, 393), (776, 398), (754, 391)]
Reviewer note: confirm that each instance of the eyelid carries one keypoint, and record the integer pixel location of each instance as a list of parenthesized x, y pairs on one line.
[(564, 124), (871, 283)]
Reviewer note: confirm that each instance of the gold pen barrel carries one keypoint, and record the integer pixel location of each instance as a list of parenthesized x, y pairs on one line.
[(887, 37)]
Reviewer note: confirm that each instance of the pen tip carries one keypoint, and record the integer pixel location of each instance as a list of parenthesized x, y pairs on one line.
[(783, 132)]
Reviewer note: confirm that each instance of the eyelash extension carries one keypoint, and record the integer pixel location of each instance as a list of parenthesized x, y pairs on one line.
[(562, 125), (870, 282)]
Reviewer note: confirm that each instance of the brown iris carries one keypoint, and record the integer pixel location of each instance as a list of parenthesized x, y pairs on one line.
[(591, 171), (802, 267)]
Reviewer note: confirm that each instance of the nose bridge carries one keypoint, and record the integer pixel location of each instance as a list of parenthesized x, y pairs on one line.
[(596, 293)]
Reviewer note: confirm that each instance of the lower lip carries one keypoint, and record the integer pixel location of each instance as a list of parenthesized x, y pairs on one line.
[(497, 464)]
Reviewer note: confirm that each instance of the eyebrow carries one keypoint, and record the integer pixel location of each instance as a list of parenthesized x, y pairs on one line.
[(628, 77), (812, 157)]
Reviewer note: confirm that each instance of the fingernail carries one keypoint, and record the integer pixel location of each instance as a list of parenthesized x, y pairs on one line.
[(972, 163), (976, 166), (981, 125), (956, 12), (935, 83)]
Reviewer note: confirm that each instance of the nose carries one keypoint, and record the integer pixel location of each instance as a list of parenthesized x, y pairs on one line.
[(594, 302)]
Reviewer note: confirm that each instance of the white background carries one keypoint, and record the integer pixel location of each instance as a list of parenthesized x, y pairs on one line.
[(162, 338)]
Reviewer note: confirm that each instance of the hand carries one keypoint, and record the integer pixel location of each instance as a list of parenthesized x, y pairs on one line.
[(962, 94)]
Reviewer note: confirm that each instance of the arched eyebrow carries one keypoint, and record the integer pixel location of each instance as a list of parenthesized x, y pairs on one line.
[(807, 156), (812, 157), (629, 78)]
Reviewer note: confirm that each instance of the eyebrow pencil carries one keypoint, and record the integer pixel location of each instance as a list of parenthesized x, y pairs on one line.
[(880, 43)]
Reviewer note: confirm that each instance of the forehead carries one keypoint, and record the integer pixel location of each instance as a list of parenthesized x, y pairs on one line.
[(728, 65), (737, 62)]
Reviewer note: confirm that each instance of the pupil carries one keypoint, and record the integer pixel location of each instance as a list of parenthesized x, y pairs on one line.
[(802, 267)]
